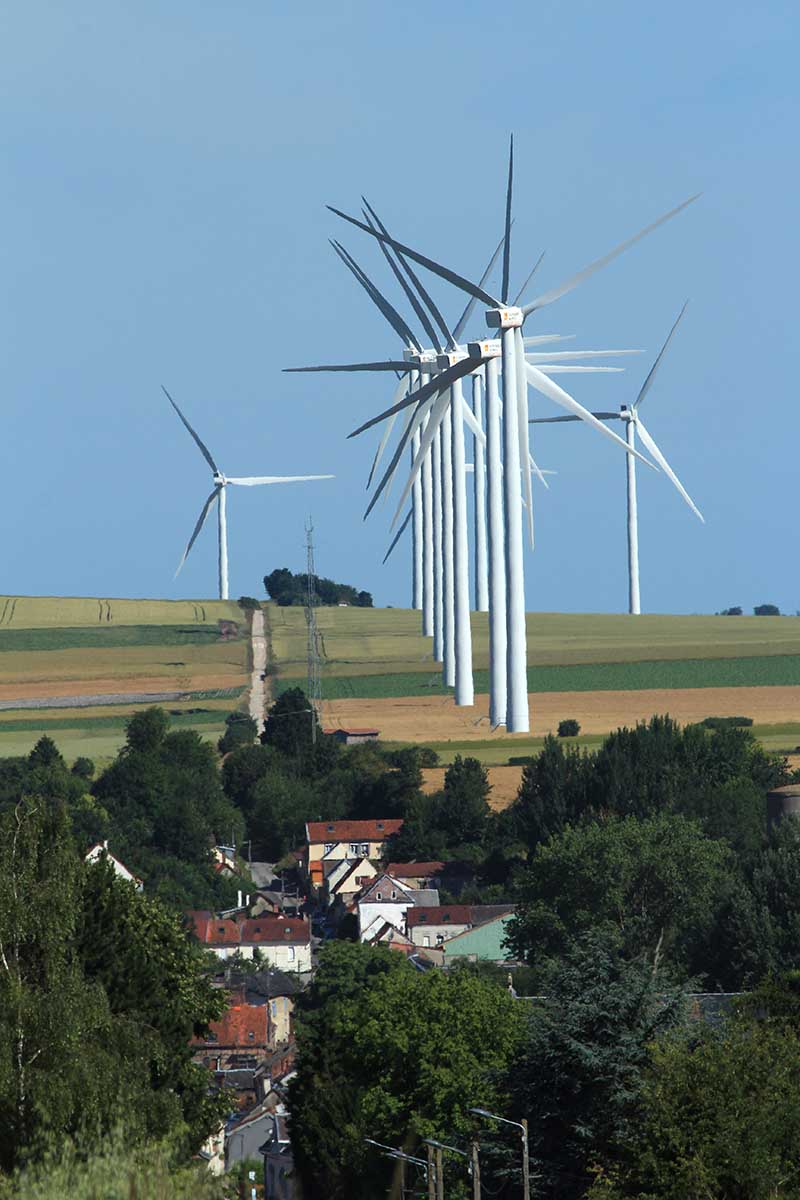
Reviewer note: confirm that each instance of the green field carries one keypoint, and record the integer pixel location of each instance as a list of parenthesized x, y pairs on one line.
[(362, 641), (765, 671)]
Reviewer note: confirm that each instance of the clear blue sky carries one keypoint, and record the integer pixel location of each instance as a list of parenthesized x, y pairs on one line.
[(165, 171)]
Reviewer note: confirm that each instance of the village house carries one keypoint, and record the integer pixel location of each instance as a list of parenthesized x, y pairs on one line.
[(484, 942), (237, 1041), (382, 933), (278, 1161), (388, 899), (353, 737), (270, 987), (429, 927), (284, 942), (328, 842), (418, 874), (101, 851), (246, 1134), (346, 879)]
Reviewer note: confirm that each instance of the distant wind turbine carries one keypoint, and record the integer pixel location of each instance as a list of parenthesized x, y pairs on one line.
[(218, 495), (633, 421)]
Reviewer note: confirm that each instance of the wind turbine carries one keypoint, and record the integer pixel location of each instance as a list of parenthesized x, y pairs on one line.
[(218, 496), (509, 319), (633, 421)]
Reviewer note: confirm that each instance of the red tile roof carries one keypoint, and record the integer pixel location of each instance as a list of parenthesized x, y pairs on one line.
[(441, 914), (241, 1026), (351, 831), (267, 930), (272, 930), (414, 870)]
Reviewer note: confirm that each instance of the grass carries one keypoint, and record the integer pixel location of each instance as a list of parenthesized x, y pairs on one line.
[(362, 641), (767, 670), (42, 638)]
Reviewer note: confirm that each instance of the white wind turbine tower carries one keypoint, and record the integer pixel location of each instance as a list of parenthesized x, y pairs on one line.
[(221, 482), (633, 421), (517, 375)]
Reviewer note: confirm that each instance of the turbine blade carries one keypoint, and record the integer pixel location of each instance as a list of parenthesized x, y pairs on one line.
[(434, 421), (439, 382), (571, 369), (388, 474), (533, 271), (399, 534), (647, 383), (666, 468), (255, 480), (474, 424), (411, 295), (204, 450), (428, 299), (535, 467), (507, 243), (467, 313), (557, 292), (567, 355), (542, 339), (200, 522), (546, 386), (604, 416), (443, 272), (391, 314), (400, 392), (388, 365)]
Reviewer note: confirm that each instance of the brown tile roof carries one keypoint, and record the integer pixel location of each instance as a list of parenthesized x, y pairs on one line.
[(414, 870), (351, 831), (243, 1025), (442, 914)]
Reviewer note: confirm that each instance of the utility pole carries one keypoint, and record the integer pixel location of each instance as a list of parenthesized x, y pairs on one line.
[(431, 1175), (439, 1174), (312, 600), (476, 1172), (526, 1167)]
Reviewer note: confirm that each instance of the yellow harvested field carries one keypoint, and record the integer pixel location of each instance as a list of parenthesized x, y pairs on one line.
[(72, 612), (504, 782), (436, 719)]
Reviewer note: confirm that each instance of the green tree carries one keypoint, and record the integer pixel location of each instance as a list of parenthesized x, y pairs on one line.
[(387, 1052), (658, 883), (240, 730), (464, 808), (720, 1120), (290, 725), (577, 1075)]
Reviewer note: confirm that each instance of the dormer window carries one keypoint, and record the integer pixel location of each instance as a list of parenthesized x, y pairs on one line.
[(221, 928), (329, 829), (250, 1035), (379, 825)]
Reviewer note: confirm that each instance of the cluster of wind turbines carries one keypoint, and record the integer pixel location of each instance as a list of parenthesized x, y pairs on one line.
[(430, 395)]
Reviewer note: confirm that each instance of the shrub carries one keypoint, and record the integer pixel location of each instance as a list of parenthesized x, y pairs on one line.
[(248, 603), (727, 722), (767, 610), (569, 728)]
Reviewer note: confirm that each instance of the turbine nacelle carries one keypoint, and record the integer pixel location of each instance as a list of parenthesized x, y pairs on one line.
[(510, 317), (449, 358), (489, 348), (219, 479)]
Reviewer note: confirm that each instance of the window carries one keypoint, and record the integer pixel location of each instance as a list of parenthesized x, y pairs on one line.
[(250, 1035), (211, 1037), (328, 847), (378, 896), (274, 1007), (380, 825), (365, 849), (329, 829), (394, 894), (290, 953), (439, 939), (426, 941)]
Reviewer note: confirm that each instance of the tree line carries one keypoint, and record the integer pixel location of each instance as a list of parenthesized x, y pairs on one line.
[(287, 589)]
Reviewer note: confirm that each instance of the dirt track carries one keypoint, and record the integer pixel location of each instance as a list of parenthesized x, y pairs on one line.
[(436, 719)]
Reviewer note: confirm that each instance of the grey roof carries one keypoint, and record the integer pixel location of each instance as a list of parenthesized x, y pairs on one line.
[(267, 983), (425, 898)]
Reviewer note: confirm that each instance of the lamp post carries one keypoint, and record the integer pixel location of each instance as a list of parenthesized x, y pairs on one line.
[(523, 1126), (439, 1147), (403, 1158)]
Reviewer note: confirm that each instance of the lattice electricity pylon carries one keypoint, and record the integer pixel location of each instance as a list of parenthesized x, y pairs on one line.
[(312, 645)]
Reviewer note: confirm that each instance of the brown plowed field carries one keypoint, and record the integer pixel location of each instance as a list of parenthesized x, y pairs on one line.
[(42, 689), (436, 719)]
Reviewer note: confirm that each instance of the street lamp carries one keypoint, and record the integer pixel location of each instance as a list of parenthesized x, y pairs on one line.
[(439, 1147), (523, 1125), (401, 1156)]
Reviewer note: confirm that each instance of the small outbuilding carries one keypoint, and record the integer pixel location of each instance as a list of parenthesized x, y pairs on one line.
[(353, 737)]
